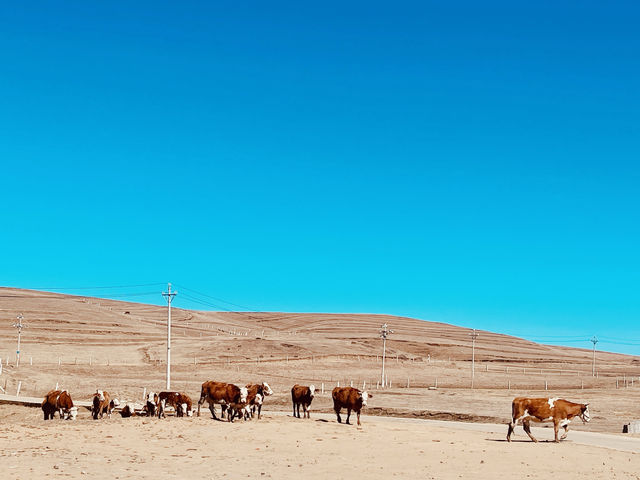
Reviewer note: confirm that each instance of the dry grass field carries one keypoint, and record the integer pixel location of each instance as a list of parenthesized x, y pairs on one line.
[(85, 343)]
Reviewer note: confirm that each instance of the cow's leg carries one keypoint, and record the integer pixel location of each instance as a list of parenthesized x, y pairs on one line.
[(358, 412), (337, 410), (212, 407), (294, 409), (565, 425), (348, 415), (556, 427), (527, 428), (512, 426), (259, 410)]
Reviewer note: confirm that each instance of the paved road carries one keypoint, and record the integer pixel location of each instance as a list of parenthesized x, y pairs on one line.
[(498, 432)]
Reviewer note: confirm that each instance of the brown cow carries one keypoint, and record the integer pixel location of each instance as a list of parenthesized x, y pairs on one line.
[(350, 398), (59, 401), (181, 402), (101, 403), (545, 410), (226, 394), (301, 395)]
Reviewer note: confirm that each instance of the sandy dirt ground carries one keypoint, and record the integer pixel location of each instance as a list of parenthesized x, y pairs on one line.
[(280, 446), (84, 344)]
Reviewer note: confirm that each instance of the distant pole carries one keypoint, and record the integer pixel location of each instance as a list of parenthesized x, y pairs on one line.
[(473, 335), (19, 326), (169, 296), (384, 333), (594, 340)]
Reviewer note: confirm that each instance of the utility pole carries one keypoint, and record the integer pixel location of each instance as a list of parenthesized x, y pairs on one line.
[(384, 333), (473, 335), (19, 326), (594, 340), (169, 296)]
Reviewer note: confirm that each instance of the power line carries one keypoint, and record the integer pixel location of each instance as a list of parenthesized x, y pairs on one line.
[(93, 288), (216, 298)]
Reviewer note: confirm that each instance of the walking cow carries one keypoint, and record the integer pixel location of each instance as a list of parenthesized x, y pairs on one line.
[(350, 398), (545, 410)]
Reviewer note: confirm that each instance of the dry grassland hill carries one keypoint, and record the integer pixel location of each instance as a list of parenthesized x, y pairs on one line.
[(134, 333)]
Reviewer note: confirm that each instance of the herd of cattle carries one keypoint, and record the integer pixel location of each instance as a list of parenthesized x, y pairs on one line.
[(245, 402), (236, 402)]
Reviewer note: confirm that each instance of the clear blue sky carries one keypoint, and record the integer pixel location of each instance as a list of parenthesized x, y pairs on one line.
[(464, 162)]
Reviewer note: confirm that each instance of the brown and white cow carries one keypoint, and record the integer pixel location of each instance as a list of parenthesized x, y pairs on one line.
[(557, 410), (59, 401), (255, 396), (129, 410), (181, 402), (101, 403), (149, 407), (301, 395), (226, 394), (350, 398)]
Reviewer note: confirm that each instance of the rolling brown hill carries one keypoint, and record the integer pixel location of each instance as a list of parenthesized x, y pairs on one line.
[(85, 343)]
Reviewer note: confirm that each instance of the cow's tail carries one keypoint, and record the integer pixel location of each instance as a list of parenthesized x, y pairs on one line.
[(203, 397)]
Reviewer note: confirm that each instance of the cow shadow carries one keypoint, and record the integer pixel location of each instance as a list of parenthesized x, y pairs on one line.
[(522, 440)]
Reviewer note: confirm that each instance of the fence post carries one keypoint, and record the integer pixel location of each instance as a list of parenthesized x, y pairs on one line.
[(323, 388), (545, 385), (0, 366), (30, 360), (59, 361), (18, 389), (509, 385)]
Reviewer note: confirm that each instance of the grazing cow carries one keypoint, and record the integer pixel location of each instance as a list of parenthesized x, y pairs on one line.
[(59, 401), (545, 410), (181, 402), (350, 398), (226, 394), (101, 403), (301, 395)]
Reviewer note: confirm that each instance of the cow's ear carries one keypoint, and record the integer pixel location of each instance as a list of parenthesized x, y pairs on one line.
[(371, 395)]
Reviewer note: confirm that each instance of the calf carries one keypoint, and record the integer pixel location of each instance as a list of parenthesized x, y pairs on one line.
[(181, 402), (101, 403), (545, 410), (351, 399), (301, 395), (59, 401), (129, 410), (226, 394)]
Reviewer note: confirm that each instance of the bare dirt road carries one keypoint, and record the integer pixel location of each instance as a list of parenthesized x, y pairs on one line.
[(279, 446)]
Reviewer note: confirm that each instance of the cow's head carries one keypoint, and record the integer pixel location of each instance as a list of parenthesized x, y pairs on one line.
[(584, 414), (365, 396), (312, 390), (71, 414), (243, 394), (100, 395), (266, 389), (115, 402)]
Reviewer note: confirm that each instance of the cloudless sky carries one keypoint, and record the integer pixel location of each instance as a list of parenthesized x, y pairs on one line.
[(474, 163)]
